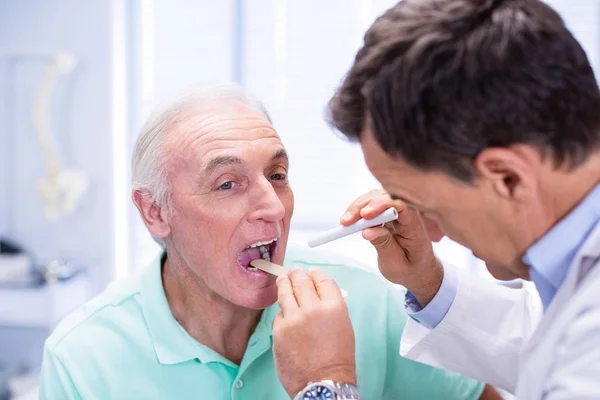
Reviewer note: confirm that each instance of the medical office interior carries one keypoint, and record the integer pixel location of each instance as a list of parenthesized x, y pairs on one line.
[(77, 79)]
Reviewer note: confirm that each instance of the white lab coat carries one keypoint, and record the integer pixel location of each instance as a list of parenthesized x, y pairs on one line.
[(497, 335)]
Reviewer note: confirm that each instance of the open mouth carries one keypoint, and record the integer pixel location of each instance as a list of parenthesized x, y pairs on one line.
[(255, 251)]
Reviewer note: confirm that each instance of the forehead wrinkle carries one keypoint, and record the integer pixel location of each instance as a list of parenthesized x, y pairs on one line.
[(202, 119), (199, 128), (193, 129)]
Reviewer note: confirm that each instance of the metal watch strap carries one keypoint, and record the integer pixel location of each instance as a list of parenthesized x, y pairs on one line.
[(342, 391), (346, 391)]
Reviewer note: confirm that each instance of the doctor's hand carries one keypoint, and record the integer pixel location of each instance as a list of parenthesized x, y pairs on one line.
[(313, 339), (404, 251)]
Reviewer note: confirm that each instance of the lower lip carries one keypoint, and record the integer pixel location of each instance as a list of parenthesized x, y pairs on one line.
[(255, 272)]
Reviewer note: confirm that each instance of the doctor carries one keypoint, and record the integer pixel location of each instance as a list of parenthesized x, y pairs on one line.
[(481, 119)]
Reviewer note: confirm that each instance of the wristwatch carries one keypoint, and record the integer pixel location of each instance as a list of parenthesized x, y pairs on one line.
[(328, 390)]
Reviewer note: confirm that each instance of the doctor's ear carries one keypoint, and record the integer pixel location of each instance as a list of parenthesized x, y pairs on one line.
[(511, 171), (155, 217)]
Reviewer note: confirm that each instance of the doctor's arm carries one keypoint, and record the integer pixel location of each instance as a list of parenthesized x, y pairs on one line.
[(480, 333), (460, 323)]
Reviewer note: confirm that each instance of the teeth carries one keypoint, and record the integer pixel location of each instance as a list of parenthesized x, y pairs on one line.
[(261, 243), (264, 252), (251, 268)]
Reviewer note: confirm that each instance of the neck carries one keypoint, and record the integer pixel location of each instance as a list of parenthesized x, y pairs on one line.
[(566, 189), (207, 317), (561, 191)]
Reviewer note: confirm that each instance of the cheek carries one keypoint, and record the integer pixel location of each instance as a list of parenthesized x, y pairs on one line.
[(458, 226), (289, 205), (286, 196), (204, 227), (477, 231), (434, 232)]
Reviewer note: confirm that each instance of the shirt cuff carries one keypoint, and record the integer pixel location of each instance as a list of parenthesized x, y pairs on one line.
[(437, 308)]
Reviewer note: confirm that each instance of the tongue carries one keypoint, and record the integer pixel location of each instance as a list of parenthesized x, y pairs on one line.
[(248, 255)]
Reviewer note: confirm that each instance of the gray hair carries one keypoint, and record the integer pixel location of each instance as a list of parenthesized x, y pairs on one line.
[(149, 159)]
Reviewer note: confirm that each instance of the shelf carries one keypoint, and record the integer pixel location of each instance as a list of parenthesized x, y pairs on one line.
[(41, 306), (26, 387)]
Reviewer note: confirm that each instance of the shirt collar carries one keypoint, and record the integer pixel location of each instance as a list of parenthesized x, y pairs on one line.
[(551, 256), (172, 344)]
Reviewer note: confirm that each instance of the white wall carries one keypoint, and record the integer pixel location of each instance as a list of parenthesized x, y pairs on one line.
[(81, 121), (193, 43), (582, 17)]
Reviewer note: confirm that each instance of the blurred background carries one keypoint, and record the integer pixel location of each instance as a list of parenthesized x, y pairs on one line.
[(78, 78)]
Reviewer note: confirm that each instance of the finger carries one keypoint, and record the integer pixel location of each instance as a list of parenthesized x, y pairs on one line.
[(276, 321), (409, 218), (408, 224), (390, 244), (379, 204), (304, 288), (380, 238), (327, 288), (285, 296), (352, 213)]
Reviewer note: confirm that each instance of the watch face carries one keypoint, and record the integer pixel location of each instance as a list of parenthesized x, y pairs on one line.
[(318, 392)]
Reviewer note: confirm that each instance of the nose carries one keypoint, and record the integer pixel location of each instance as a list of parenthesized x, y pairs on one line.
[(265, 203)]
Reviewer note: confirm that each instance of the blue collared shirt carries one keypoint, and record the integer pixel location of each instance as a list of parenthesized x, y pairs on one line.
[(437, 308), (550, 259)]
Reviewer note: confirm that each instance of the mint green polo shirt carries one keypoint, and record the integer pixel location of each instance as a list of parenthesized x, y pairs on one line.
[(125, 344)]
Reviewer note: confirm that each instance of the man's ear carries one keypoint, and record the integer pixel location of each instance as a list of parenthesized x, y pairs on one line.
[(155, 217), (512, 171)]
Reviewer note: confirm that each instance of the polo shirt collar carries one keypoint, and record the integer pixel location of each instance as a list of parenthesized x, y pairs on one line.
[(172, 344)]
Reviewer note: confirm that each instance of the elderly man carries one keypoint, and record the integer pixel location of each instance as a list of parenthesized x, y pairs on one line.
[(210, 179)]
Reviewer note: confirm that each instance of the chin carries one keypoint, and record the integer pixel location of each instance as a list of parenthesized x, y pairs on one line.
[(260, 300), (501, 272)]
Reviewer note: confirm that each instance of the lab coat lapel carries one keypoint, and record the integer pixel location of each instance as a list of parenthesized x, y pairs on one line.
[(585, 261)]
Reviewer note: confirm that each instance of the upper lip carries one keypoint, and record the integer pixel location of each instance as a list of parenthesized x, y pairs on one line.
[(262, 241)]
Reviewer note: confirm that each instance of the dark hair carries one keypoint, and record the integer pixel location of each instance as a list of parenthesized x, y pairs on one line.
[(438, 81)]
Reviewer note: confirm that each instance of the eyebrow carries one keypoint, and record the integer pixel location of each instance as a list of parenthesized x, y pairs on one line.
[(220, 161), (280, 154)]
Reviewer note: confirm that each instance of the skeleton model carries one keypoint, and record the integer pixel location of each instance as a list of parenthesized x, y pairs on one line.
[(62, 189)]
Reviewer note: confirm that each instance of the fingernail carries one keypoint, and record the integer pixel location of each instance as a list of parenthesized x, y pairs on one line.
[(296, 268), (367, 209), (347, 215), (311, 269)]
